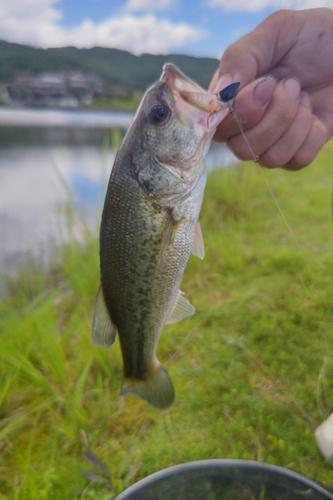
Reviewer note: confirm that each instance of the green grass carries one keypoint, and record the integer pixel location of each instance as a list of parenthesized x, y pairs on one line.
[(127, 102), (253, 370)]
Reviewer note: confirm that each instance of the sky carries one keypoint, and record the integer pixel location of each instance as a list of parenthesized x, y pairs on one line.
[(194, 27)]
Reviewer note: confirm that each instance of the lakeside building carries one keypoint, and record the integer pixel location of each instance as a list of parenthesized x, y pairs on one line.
[(65, 89)]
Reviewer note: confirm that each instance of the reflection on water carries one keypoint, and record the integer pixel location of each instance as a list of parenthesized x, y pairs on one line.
[(39, 167), (32, 194), (63, 118)]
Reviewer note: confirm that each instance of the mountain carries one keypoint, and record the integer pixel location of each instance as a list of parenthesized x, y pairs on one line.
[(119, 70)]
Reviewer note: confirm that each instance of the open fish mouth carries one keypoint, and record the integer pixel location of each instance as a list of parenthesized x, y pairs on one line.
[(190, 91), (191, 100)]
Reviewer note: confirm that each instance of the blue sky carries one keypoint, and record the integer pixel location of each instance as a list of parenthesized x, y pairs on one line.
[(196, 27)]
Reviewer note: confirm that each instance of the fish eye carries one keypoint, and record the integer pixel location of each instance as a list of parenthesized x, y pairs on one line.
[(159, 114)]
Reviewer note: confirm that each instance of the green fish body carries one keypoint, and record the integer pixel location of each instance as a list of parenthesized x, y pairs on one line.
[(150, 227)]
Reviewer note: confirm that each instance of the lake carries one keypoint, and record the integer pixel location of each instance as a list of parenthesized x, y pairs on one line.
[(52, 160)]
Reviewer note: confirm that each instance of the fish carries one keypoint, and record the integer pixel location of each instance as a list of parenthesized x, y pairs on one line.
[(150, 225)]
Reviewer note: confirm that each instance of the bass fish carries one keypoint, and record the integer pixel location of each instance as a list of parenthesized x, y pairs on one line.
[(150, 227)]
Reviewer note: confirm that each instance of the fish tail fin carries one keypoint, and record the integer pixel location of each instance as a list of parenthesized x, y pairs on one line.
[(157, 389)]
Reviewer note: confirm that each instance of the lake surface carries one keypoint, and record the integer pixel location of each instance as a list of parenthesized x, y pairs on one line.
[(50, 161)]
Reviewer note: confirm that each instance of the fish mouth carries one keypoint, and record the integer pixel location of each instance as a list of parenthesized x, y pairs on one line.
[(191, 100)]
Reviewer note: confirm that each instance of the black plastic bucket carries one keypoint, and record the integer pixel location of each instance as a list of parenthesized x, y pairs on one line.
[(225, 479)]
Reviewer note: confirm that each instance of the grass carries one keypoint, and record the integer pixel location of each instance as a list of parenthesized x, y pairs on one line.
[(253, 370), (126, 102)]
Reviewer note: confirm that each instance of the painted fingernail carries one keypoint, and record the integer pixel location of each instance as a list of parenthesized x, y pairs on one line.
[(292, 87), (263, 91), (222, 83)]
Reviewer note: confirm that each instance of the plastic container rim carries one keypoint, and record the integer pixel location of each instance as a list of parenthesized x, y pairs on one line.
[(224, 463)]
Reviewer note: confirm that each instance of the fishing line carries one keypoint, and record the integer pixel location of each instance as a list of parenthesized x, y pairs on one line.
[(226, 95)]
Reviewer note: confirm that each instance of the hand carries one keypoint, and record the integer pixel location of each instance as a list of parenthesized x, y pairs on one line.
[(285, 67)]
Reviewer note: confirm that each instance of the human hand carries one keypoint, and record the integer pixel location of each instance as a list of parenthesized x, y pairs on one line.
[(285, 103)]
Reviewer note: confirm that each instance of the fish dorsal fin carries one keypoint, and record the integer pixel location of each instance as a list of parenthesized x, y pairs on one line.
[(181, 309), (103, 330), (198, 248)]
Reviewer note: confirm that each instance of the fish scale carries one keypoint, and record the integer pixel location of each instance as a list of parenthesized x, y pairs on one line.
[(140, 270)]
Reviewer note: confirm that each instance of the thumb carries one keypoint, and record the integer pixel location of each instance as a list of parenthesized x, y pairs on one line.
[(256, 53)]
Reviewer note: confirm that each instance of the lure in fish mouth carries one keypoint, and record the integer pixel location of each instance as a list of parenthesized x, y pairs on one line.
[(150, 227)]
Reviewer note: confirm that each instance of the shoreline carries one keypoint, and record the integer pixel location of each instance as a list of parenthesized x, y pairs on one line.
[(58, 117)]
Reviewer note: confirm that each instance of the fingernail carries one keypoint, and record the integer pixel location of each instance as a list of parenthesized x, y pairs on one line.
[(222, 83), (292, 87), (263, 91)]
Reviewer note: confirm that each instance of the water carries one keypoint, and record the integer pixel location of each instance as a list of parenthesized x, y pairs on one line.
[(63, 118), (50, 160)]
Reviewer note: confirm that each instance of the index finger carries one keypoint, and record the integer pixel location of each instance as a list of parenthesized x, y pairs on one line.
[(249, 105)]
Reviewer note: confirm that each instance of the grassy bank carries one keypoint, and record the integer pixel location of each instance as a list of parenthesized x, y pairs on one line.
[(253, 370)]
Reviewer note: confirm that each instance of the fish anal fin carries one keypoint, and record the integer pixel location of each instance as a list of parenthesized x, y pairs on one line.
[(157, 388), (181, 309), (103, 330), (198, 248)]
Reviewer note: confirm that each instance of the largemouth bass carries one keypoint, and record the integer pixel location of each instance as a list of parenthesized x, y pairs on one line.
[(150, 227)]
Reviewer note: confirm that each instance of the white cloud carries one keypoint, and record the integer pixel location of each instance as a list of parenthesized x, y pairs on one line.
[(140, 5), (307, 4), (257, 5), (22, 21), (137, 35), (34, 22)]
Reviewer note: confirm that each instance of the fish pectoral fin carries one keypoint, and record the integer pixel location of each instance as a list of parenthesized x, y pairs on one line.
[(198, 248), (157, 388), (181, 309), (103, 330), (170, 229)]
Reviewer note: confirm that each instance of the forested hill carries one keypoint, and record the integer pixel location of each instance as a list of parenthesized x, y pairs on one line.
[(117, 68)]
